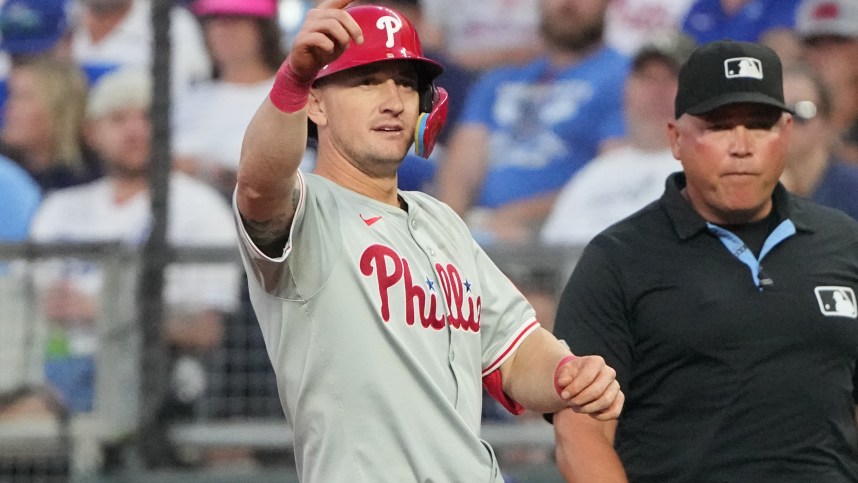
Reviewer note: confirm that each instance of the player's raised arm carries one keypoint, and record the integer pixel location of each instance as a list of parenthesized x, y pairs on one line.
[(276, 137)]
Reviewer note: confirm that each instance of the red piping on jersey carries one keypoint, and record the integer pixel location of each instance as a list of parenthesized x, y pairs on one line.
[(515, 343)]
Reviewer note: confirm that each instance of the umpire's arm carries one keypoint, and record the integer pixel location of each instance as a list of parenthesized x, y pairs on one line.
[(542, 377)]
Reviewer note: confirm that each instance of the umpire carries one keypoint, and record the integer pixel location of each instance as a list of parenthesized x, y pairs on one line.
[(727, 306)]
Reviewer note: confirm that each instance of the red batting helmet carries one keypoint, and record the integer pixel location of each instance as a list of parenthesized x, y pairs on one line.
[(387, 35)]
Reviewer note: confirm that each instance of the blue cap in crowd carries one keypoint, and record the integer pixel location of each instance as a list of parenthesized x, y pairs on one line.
[(32, 26)]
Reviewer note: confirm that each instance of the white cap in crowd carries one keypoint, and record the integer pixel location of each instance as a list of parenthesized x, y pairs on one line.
[(827, 17), (119, 89)]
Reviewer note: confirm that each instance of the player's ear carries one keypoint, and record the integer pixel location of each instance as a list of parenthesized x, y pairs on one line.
[(316, 108)]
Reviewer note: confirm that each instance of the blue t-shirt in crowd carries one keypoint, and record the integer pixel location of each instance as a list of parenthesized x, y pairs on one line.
[(4, 94), (838, 188), (416, 173), (545, 124), (706, 20), (19, 198)]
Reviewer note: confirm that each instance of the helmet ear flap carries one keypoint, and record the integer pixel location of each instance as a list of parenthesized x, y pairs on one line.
[(427, 97), (433, 106)]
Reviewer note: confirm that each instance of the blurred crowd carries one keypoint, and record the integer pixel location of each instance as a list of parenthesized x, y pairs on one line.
[(556, 130)]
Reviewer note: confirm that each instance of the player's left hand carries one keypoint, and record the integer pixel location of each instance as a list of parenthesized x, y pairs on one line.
[(589, 386)]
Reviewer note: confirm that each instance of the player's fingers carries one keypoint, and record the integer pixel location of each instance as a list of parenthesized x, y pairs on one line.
[(314, 48), (320, 46), (342, 18), (328, 26), (593, 392), (613, 411), (601, 401), (334, 4), (353, 28), (581, 372)]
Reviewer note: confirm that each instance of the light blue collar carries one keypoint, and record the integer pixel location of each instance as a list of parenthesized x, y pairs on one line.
[(738, 249)]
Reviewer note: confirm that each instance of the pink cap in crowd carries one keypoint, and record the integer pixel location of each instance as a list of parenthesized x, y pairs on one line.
[(249, 8)]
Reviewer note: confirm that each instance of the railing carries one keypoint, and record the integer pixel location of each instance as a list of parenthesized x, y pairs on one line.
[(239, 408)]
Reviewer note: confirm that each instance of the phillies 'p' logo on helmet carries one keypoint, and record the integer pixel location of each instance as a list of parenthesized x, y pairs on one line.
[(387, 35), (391, 25)]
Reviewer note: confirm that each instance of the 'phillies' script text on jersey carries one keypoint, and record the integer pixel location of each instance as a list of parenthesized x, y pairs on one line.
[(389, 269)]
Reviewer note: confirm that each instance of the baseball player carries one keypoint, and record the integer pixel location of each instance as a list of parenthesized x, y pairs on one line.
[(381, 315)]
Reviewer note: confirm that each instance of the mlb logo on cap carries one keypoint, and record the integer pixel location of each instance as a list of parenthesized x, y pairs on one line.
[(743, 67)]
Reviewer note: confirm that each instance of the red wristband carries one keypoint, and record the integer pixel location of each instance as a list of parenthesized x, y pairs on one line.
[(557, 373), (290, 92)]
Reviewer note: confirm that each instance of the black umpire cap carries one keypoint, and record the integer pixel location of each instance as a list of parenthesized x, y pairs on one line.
[(728, 72)]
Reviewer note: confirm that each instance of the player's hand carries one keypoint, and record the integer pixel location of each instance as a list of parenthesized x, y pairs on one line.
[(323, 37), (589, 386)]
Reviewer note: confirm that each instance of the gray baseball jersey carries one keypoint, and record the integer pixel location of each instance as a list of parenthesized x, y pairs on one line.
[(380, 325)]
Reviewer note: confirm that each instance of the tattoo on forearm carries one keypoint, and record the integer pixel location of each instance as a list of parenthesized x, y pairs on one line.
[(271, 235)]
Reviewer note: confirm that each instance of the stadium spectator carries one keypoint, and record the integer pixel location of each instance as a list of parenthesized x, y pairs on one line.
[(829, 29), (118, 33), (117, 208), (44, 117), (619, 182), (849, 144), (632, 24), (526, 130), (747, 20), (19, 198), (812, 170), (787, 43), (244, 42), (31, 29), (484, 34)]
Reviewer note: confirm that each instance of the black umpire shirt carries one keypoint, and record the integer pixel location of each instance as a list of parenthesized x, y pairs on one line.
[(736, 368)]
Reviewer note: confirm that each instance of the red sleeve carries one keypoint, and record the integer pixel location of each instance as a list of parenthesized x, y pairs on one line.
[(493, 383)]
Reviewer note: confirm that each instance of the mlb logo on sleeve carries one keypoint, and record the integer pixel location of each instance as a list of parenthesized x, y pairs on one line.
[(747, 67), (837, 301)]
